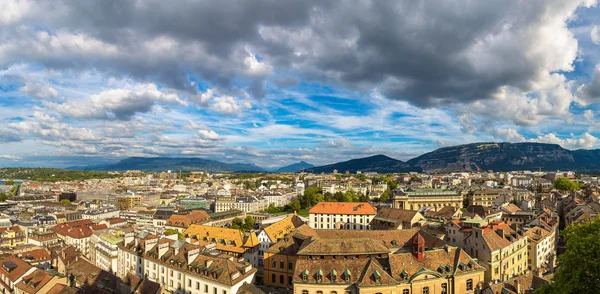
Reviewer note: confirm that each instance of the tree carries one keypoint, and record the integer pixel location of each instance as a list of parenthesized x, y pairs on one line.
[(237, 223), (363, 198), (564, 184), (385, 195), (3, 196), (9, 182), (248, 223), (65, 201), (580, 263), (295, 205)]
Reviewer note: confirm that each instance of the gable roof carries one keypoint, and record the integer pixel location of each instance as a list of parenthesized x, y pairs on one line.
[(282, 227)]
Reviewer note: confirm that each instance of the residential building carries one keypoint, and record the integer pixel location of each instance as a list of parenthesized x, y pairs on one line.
[(272, 233), (76, 233), (541, 248), (127, 202), (42, 238), (179, 266), (39, 281), (12, 236), (229, 241), (246, 204), (342, 215), (486, 197), (71, 196), (100, 213), (181, 222), (416, 199), (12, 271), (106, 252)]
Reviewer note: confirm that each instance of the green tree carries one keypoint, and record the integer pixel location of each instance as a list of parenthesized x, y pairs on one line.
[(9, 182), (564, 184), (385, 196), (338, 196), (65, 201), (579, 270), (237, 223), (318, 198), (295, 205), (248, 223), (328, 196), (3, 196)]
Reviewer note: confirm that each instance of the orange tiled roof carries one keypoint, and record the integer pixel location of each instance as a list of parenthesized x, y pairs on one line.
[(343, 208)]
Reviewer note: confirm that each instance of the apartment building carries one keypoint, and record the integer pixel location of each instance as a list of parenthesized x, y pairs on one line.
[(106, 251), (127, 202), (181, 222), (486, 197), (273, 233), (229, 241), (499, 248), (395, 219), (180, 266), (246, 204), (12, 236), (12, 271), (342, 215), (541, 248)]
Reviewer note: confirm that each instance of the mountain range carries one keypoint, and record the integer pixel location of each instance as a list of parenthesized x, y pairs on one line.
[(468, 157)]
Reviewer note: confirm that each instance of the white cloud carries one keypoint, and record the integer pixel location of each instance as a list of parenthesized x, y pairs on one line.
[(39, 90), (121, 104), (255, 67), (228, 105), (595, 35), (508, 135), (586, 141), (209, 134), (11, 157)]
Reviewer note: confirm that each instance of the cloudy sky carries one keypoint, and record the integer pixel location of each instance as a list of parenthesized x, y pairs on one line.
[(274, 82)]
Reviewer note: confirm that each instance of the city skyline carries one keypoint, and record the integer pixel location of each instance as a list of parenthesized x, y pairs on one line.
[(273, 83)]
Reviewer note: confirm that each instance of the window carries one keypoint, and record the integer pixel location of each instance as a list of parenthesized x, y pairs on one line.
[(469, 284), (304, 291), (273, 278), (319, 292), (224, 292), (189, 283), (205, 288), (281, 279), (290, 265), (281, 264), (215, 290), (197, 285), (405, 291), (274, 263), (444, 288), (425, 290)]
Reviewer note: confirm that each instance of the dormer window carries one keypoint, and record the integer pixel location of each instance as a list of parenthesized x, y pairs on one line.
[(305, 275), (404, 275), (333, 276), (377, 277), (319, 276), (347, 276)]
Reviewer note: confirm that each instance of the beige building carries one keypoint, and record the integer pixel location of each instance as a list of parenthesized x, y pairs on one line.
[(541, 247), (341, 215), (500, 249), (486, 197), (416, 199), (128, 202)]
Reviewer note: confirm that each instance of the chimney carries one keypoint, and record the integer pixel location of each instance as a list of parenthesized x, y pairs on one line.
[(162, 249), (128, 238), (192, 254), (150, 243)]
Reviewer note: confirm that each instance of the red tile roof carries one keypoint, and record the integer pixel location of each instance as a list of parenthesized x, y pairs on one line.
[(75, 229), (343, 208)]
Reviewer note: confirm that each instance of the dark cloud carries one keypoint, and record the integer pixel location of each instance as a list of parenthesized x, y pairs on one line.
[(429, 53)]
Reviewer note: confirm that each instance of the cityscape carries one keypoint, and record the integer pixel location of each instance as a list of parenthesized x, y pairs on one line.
[(299, 147)]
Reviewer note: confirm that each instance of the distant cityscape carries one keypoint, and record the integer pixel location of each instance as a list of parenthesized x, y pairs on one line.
[(199, 232)]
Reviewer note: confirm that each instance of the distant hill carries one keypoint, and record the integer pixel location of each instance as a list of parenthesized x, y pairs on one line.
[(296, 167), (479, 156), (376, 163), (175, 164)]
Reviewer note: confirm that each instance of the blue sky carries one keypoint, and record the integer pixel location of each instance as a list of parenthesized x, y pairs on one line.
[(271, 83)]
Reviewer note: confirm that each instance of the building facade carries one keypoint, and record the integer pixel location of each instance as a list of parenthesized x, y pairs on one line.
[(341, 215)]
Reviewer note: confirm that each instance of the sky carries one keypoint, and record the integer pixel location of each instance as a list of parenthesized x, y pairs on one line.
[(275, 82)]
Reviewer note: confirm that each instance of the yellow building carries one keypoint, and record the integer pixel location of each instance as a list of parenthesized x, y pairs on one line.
[(12, 236), (486, 197), (128, 202), (415, 199)]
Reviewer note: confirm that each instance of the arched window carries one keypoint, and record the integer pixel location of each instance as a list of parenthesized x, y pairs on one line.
[(444, 288), (304, 291), (319, 292), (333, 292), (405, 291)]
